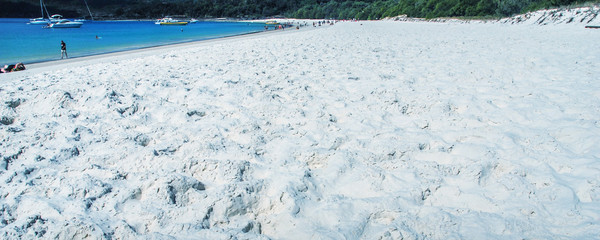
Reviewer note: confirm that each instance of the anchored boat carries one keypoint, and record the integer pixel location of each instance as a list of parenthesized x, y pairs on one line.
[(170, 21), (66, 24)]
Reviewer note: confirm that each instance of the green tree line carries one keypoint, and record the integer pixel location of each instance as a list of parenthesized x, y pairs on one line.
[(372, 10), (315, 9)]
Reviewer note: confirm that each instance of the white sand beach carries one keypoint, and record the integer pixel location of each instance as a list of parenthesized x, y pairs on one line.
[(360, 130)]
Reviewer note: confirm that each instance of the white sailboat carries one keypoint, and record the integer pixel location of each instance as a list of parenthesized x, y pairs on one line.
[(56, 20), (40, 20)]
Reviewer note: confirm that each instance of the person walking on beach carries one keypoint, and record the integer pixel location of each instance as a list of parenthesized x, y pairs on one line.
[(63, 50)]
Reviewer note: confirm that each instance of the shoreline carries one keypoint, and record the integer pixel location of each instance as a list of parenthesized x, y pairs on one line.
[(36, 67), (141, 48), (35, 60)]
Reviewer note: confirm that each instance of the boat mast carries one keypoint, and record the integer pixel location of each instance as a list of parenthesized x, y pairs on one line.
[(42, 8), (88, 8), (47, 13)]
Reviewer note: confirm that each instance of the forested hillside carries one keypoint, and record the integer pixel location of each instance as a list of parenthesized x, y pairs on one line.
[(339, 9), (424, 8)]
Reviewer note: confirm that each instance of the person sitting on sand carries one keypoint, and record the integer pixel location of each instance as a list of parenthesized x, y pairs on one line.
[(6, 68), (12, 68)]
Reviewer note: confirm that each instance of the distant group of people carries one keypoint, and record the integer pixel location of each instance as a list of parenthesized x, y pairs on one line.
[(298, 25), (279, 26), (324, 22)]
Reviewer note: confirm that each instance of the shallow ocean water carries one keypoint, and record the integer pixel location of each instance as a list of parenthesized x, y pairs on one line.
[(26, 43)]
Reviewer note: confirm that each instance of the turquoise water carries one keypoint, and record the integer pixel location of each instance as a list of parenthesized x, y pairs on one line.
[(26, 43)]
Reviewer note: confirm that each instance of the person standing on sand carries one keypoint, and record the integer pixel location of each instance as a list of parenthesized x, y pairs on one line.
[(63, 50)]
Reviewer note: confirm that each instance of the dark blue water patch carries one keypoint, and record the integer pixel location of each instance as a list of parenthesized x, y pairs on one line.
[(26, 43)]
